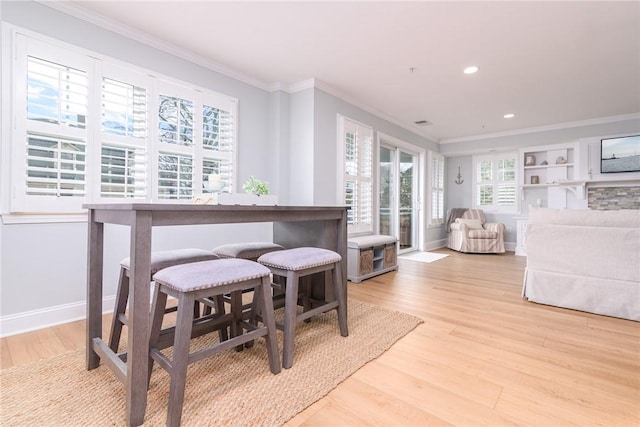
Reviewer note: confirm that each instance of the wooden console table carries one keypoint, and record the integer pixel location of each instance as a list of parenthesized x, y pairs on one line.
[(293, 226)]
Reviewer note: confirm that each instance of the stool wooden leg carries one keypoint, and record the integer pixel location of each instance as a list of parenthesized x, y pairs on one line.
[(255, 311), (122, 296), (180, 360), (196, 310), (306, 284), (157, 315), (219, 306), (236, 310), (339, 291), (290, 308), (266, 303)]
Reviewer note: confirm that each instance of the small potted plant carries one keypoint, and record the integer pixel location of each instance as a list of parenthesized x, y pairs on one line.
[(256, 192), (255, 186)]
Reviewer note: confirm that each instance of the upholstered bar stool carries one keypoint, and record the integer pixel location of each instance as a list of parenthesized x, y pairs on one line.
[(191, 282), (159, 261), (294, 264), (249, 250)]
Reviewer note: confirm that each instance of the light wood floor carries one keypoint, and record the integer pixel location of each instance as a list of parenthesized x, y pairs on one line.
[(483, 356)]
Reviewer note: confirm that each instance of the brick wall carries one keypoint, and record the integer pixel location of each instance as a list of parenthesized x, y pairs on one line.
[(614, 198)]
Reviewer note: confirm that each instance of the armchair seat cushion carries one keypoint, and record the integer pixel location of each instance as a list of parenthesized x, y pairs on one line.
[(482, 234)]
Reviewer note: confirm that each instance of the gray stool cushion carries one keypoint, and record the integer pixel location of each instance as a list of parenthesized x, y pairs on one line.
[(299, 258), (209, 274), (164, 259), (251, 250)]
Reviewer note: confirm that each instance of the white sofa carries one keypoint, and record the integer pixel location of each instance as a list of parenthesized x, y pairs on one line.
[(585, 260)]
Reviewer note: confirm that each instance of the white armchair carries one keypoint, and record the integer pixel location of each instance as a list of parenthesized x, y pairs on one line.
[(469, 232)]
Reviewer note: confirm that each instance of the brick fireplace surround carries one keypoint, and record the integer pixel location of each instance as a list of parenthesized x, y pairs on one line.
[(614, 198)]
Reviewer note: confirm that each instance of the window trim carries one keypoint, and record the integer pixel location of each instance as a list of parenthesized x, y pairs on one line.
[(433, 156), (361, 229), (494, 158), (12, 209)]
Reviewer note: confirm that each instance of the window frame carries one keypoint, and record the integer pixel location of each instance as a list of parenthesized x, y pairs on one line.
[(495, 158), (436, 187), (21, 201), (358, 227), (15, 204)]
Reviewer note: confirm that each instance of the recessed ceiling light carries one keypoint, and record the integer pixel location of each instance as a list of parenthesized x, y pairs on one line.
[(509, 116), (470, 70)]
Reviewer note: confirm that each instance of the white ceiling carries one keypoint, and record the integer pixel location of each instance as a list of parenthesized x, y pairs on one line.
[(547, 62)]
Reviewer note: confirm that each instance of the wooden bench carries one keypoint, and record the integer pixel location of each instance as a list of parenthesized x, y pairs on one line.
[(370, 256)]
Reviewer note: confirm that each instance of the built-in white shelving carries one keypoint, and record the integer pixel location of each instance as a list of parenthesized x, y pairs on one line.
[(553, 168)]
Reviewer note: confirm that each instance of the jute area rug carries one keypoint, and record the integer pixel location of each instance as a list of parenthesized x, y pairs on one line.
[(229, 389)]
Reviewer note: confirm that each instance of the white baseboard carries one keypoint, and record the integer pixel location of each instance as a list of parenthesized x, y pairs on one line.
[(27, 321), (442, 243), (435, 244)]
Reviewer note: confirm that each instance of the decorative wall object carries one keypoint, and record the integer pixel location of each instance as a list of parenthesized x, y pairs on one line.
[(459, 179), (529, 160)]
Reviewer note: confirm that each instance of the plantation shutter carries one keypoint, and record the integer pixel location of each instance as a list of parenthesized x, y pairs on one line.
[(124, 131), (437, 189), (217, 143), (485, 183), (87, 129), (196, 142), (50, 164), (495, 182), (358, 176), (506, 183)]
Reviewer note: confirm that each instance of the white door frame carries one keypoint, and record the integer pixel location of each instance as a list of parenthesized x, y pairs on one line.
[(388, 141)]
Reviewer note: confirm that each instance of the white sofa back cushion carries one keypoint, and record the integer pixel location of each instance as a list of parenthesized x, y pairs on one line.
[(585, 217)]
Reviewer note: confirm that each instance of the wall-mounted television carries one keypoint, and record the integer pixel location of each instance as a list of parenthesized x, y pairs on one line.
[(621, 154)]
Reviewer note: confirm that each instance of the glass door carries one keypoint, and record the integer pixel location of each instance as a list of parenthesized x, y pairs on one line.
[(398, 207), (387, 218)]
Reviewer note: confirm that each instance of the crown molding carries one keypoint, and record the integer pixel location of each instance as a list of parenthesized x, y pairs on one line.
[(278, 86), (145, 38), (303, 85), (567, 125), (325, 87), (142, 37)]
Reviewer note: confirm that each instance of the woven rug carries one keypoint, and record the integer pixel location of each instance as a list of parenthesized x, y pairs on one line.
[(229, 389)]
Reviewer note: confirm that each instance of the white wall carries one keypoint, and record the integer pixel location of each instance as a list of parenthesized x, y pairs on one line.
[(43, 266), (588, 134), (541, 136), (285, 139), (326, 110), (279, 110), (301, 163), (288, 140)]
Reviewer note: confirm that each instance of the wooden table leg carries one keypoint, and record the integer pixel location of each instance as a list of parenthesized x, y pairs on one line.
[(138, 340), (94, 288)]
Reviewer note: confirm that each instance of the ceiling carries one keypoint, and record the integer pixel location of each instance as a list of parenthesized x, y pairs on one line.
[(548, 63)]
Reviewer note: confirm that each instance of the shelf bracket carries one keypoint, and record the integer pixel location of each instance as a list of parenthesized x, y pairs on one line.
[(579, 189)]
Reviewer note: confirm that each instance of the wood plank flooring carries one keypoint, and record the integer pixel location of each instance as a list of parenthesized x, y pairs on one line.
[(483, 356)]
